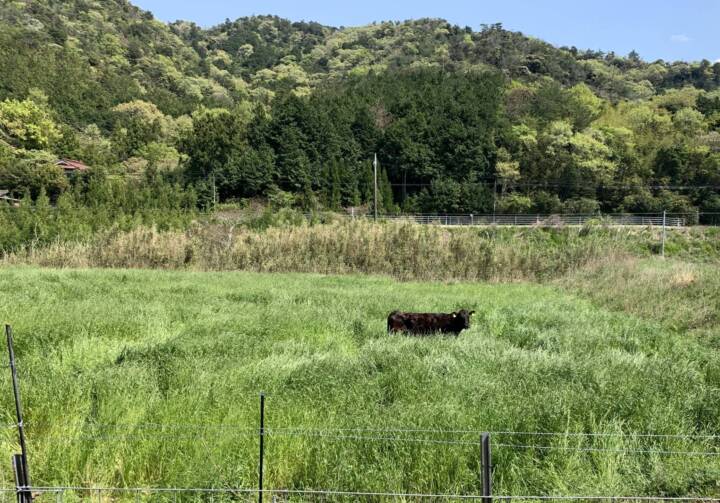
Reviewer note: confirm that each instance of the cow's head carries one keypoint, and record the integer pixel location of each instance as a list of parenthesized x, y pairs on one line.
[(464, 317)]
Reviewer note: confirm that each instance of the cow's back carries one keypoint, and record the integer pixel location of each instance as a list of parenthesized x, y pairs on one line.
[(420, 323)]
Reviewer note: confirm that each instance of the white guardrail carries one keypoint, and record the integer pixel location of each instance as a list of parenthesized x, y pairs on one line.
[(529, 220)]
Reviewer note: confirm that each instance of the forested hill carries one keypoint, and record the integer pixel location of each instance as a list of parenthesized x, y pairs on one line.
[(265, 106)]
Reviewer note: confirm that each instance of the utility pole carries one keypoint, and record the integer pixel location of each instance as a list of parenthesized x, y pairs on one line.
[(663, 234), (404, 192), (375, 164), (494, 197), (214, 191)]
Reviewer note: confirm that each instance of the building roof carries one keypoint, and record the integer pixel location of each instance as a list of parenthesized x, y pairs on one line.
[(71, 165), (5, 197)]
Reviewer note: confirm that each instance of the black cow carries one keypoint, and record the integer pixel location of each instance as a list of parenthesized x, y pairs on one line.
[(429, 323)]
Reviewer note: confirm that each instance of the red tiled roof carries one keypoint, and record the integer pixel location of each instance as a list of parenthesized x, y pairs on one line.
[(70, 165)]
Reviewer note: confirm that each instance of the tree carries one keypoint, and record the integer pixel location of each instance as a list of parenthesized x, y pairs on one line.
[(385, 193), (137, 124), (31, 172), (583, 107), (215, 137), (27, 124)]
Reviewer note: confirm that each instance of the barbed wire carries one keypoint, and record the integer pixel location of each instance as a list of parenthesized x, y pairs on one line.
[(117, 438), (499, 497), (143, 426), (334, 492), (603, 449), (55, 489), (234, 427), (396, 439), (143, 430), (507, 432), (501, 445), (375, 438), (321, 435)]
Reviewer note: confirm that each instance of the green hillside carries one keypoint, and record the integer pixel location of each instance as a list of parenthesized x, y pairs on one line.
[(462, 121)]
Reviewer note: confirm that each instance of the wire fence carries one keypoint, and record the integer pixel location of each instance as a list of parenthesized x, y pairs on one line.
[(586, 444), (698, 444), (152, 431), (234, 428), (541, 220), (387, 435), (61, 494)]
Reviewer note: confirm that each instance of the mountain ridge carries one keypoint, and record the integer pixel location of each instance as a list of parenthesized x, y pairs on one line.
[(262, 104), (180, 65)]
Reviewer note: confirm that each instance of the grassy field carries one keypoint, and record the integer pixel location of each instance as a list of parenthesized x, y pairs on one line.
[(135, 378)]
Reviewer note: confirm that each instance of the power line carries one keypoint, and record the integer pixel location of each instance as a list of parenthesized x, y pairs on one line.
[(574, 185), (489, 181)]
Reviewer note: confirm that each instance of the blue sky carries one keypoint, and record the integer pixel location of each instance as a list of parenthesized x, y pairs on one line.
[(657, 29)]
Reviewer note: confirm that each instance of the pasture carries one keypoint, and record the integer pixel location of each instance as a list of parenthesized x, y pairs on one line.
[(151, 378)]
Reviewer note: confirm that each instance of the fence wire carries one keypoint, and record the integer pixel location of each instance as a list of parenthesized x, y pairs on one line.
[(334, 437), (324, 493), (241, 428)]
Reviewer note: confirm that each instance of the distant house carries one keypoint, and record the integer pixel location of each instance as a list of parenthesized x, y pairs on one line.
[(5, 196), (70, 166)]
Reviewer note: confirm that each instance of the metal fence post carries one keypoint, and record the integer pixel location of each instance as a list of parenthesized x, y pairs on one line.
[(486, 469), (19, 477), (22, 472), (262, 446)]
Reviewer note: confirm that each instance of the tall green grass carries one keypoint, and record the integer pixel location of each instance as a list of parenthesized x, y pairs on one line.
[(192, 350)]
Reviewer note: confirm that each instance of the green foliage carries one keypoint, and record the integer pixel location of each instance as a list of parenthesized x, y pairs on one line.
[(235, 110), (137, 124), (93, 203), (27, 124), (30, 172)]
